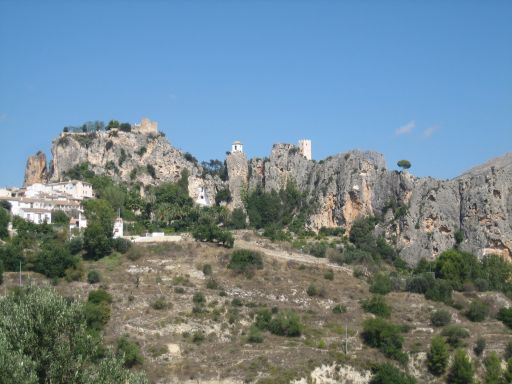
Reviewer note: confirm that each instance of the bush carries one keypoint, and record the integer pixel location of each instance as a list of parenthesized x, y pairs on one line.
[(313, 291), (263, 317), (477, 311), (493, 371), (329, 275), (420, 283), (121, 245), (60, 217), (440, 291), (198, 298), (457, 267), (437, 357), (212, 233), (160, 303), (389, 374), (339, 308), (245, 261), (454, 335), (286, 323), (75, 245), (337, 231), (479, 346), (385, 336), (207, 269), (505, 316), (93, 277), (255, 335), (440, 318), (97, 315), (54, 259), (129, 352), (99, 296), (377, 305), (461, 371), (238, 219), (151, 171), (381, 284)]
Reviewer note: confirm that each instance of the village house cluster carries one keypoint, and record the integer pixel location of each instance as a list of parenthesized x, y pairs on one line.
[(37, 202)]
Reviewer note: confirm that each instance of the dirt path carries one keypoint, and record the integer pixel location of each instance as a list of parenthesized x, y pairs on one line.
[(288, 255)]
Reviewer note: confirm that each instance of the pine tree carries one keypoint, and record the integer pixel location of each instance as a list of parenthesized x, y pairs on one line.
[(461, 371), (437, 356)]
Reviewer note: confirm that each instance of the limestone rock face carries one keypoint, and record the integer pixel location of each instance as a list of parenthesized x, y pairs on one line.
[(419, 215), (238, 173), (36, 170), (127, 156)]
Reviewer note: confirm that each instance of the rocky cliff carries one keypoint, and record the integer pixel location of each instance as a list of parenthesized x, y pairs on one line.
[(420, 215), (36, 170)]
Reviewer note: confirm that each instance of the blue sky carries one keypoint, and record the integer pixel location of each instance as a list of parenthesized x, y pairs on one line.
[(429, 81)]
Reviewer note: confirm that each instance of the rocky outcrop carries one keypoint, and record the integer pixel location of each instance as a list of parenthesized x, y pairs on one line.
[(419, 215), (36, 170)]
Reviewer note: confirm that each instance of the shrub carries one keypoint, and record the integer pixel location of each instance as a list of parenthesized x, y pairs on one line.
[(60, 217), (440, 291), (389, 374), (212, 233), (457, 267), (337, 231), (198, 337), (493, 371), (437, 357), (440, 318), (238, 219), (381, 284), (286, 323), (454, 335), (263, 317), (313, 290), (339, 308), (212, 284), (75, 245), (53, 260), (99, 296), (198, 298), (129, 352), (207, 269), (255, 335), (245, 261), (477, 311), (97, 315), (151, 171), (385, 336), (420, 283), (461, 371), (479, 346), (377, 305), (160, 303), (329, 275), (505, 316), (93, 277), (121, 245)]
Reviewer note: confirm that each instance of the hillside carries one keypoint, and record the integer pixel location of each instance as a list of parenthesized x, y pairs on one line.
[(208, 341)]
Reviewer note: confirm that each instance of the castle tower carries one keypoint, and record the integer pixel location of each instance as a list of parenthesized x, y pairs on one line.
[(237, 147), (146, 126), (305, 148)]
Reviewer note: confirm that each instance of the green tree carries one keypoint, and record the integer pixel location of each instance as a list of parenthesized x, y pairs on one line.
[(507, 375), (377, 305), (493, 372), (44, 339), (388, 374), (404, 164), (385, 336), (4, 223), (461, 370), (60, 217), (381, 284), (100, 225), (457, 267), (238, 218), (54, 259), (437, 357)]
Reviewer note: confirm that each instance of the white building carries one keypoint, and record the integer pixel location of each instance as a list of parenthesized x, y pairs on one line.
[(202, 197), (74, 189), (118, 228), (305, 148), (37, 202), (237, 147)]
